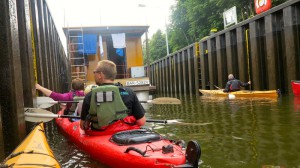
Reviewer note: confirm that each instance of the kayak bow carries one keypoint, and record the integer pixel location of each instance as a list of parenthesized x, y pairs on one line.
[(33, 152)]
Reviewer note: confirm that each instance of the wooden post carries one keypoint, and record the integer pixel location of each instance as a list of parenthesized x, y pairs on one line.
[(11, 89), (271, 52), (292, 58)]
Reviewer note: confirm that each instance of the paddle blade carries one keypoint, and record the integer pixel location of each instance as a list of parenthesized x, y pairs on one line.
[(231, 96), (165, 100), (163, 121), (38, 115), (45, 102), (173, 121)]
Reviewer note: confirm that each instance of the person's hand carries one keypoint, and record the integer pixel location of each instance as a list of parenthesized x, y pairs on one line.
[(249, 82), (37, 86)]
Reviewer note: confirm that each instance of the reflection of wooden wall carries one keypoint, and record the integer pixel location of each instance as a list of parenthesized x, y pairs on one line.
[(133, 54)]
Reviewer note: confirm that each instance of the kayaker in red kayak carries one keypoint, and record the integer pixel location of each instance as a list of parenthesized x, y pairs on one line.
[(108, 103), (77, 91), (234, 84)]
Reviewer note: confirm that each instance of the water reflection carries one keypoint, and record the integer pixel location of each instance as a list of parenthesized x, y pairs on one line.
[(297, 103), (239, 133), (232, 133), (66, 152)]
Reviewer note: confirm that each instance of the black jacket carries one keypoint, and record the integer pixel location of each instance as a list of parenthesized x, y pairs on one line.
[(234, 85)]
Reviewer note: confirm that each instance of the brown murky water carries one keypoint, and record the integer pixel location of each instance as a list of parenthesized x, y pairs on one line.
[(232, 133)]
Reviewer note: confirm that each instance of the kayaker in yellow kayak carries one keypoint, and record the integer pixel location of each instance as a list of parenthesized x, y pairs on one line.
[(234, 84), (108, 103)]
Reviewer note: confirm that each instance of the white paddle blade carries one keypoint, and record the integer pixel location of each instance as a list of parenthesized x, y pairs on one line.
[(38, 115), (46, 105), (45, 102), (231, 96), (173, 121)]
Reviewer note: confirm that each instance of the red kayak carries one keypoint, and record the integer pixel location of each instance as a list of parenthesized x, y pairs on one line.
[(296, 87), (132, 148)]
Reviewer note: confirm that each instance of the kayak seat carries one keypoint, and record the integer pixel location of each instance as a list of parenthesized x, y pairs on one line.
[(131, 137)]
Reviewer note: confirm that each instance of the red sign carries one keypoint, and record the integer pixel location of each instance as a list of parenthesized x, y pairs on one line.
[(262, 5)]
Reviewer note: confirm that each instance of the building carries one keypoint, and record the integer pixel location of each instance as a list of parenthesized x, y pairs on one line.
[(120, 44)]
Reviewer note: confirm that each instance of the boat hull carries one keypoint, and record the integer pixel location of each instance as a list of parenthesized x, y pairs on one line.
[(242, 93), (296, 87), (101, 148), (33, 152)]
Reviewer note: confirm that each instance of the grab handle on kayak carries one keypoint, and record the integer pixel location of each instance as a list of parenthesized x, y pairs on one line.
[(136, 150)]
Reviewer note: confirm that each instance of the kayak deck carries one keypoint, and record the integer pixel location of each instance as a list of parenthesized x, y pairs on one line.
[(241, 93), (104, 149), (33, 152)]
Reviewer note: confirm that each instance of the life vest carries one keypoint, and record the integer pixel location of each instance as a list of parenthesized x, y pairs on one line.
[(106, 106), (75, 99)]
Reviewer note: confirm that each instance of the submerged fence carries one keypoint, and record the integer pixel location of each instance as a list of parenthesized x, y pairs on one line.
[(30, 52), (264, 49)]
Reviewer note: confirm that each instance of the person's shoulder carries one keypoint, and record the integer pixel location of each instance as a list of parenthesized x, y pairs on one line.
[(125, 91), (128, 89)]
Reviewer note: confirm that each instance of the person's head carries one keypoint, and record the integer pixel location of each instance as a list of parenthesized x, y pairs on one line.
[(230, 77), (105, 71), (77, 84)]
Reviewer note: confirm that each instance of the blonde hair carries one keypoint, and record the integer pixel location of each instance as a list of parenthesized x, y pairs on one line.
[(108, 68)]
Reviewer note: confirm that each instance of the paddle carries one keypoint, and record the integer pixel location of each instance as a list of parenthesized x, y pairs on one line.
[(248, 54), (217, 87), (37, 115), (46, 102), (230, 96)]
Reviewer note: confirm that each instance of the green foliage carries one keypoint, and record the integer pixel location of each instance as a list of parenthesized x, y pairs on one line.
[(157, 45), (191, 20)]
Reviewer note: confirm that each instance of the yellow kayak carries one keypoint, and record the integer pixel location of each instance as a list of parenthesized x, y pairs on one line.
[(242, 93), (33, 152)]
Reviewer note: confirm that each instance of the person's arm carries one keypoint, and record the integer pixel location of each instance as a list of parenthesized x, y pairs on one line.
[(141, 121), (245, 84), (45, 91), (227, 87), (82, 124), (62, 96), (138, 111), (85, 110)]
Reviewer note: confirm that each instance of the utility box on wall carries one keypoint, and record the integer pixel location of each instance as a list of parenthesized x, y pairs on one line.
[(137, 72)]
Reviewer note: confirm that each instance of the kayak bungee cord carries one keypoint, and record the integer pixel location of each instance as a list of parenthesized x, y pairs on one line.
[(22, 152)]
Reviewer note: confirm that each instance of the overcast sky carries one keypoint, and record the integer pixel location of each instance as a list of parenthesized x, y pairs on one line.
[(110, 12)]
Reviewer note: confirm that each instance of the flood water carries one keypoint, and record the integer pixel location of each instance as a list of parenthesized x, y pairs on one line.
[(232, 133)]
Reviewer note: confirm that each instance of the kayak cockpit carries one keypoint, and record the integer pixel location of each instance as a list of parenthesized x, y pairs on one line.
[(135, 137)]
